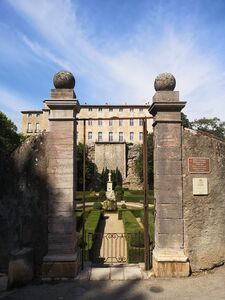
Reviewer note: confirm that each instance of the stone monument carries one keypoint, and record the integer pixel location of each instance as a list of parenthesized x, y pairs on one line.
[(169, 259), (110, 194), (63, 257)]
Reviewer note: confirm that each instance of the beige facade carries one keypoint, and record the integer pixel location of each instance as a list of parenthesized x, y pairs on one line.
[(116, 129)]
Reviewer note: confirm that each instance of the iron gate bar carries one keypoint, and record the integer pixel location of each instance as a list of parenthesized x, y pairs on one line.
[(84, 187), (145, 176)]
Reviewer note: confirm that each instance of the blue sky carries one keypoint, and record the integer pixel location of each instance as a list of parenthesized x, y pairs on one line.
[(115, 49)]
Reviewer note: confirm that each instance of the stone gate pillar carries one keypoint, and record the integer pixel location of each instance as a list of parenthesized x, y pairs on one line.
[(63, 258), (168, 256)]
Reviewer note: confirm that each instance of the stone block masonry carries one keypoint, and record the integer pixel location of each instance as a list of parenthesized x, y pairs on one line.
[(63, 257), (169, 259)]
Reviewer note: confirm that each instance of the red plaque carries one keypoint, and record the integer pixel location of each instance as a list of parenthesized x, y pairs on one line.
[(198, 165)]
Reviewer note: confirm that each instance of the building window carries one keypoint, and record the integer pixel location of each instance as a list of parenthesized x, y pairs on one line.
[(140, 136), (140, 122), (140, 109), (131, 136), (131, 122), (100, 109), (37, 115), (110, 109), (89, 122), (89, 135), (120, 122), (120, 136), (110, 122), (120, 109), (131, 109), (37, 129), (110, 136), (99, 136), (89, 108), (29, 127), (100, 122)]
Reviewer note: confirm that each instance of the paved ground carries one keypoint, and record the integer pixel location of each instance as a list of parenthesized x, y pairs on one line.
[(114, 272), (209, 286), (113, 245)]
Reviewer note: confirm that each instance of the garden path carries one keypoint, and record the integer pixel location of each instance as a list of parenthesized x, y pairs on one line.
[(114, 247)]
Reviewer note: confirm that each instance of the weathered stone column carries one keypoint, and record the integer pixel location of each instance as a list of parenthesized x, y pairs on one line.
[(168, 256), (63, 257)]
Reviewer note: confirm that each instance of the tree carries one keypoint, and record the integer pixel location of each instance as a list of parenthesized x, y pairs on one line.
[(211, 125), (184, 121), (139, 161), (89, 170), (9, 138)]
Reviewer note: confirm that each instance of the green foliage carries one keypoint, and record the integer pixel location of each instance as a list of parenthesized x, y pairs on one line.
[(123, 206), (9, 138), (101, 196), (89, 170), (104, 179), (119, 192), (213, 125), (116, 178), (139, 161), (109, 205), (138, 196), (90, 227), (184, 121), (90, 196), (135, 237), (151, 223), (131, 226), (97, 206)]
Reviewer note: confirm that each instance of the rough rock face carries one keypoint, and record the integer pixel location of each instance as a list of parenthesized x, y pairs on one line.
[(132, 181), (23, 207), (204, 216)]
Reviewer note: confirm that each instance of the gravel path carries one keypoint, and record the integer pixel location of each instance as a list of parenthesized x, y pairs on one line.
[(114, 246)]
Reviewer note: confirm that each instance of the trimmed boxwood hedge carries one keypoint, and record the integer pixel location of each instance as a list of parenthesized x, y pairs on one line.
[(135, 237), (90, 227)]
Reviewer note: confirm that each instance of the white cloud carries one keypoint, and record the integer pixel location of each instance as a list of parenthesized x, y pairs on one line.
[(127, 74), (12, 104)]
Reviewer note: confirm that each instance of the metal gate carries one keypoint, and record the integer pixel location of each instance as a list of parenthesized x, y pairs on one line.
[(113, 248)]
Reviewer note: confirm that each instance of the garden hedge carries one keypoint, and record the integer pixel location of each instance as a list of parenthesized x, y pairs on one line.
[(135, 237)]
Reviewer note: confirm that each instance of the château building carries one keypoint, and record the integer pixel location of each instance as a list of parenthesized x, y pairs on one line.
[(104, 123)]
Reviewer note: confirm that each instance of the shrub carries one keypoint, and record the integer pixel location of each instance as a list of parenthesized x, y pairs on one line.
[(123, 206), (119, 193), (101, 196), (90, 227), (97, 205), (133, 230), (109, 205)]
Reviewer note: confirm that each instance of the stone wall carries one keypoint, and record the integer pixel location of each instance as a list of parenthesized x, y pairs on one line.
[(204, 216), (127, 164), (23, 205), (112, 156)]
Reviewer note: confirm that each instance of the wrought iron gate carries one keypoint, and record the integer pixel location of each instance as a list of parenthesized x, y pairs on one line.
[(115, 248)]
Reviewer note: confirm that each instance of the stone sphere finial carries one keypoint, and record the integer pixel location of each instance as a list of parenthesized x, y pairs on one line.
[(64, 80), (165, 82)]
